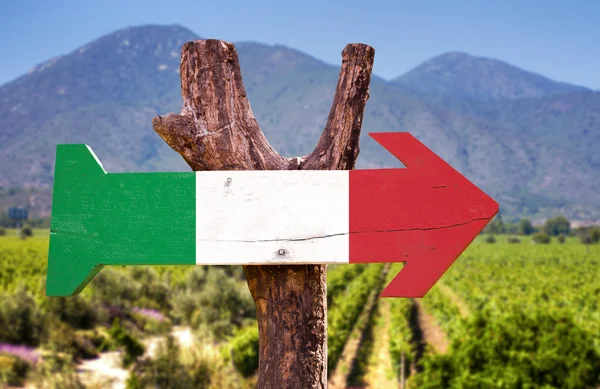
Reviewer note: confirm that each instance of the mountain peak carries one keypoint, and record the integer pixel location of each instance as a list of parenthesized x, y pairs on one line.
[(462, 75)]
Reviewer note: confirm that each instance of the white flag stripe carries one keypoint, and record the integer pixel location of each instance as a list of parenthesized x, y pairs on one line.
[(272, 217)]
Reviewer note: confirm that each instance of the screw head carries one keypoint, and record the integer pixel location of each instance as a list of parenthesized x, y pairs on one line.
[(281, 252)]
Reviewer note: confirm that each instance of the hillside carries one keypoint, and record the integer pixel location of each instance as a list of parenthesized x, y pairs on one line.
[(463, 76), (524, 152)]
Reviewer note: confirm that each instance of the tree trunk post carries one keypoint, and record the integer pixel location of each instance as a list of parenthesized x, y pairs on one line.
[(216, 130)]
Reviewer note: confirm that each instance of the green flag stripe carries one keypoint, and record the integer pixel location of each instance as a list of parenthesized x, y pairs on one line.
[(115, 219)]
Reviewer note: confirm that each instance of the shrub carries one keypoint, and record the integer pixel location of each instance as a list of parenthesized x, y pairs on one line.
[(534, 349), (490, 239), (542, 238), (74, 310), (26, 232), (556, 226), (20, 319), (561, 238), (56, 371), (525, 227), (116, 287), (132, 347), (133, 382), (595, 234), (166, 371), (513, 239), (589, 235), (13, 370), (221, 304), (2, 231), (244, 351)]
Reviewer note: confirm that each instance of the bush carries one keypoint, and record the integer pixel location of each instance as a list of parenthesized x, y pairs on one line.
[(2, 231), (556, 226), (221, 303), (74, 310), (115, 287), (244, 351), (490, 239), (56, 371), (26, 232), (166, 371), (561, 238), (595, 234), (520, 348), (21, 321), (513, 239), (525, 227), (542, 238), (132, 347), (13, 370), (589, 235)]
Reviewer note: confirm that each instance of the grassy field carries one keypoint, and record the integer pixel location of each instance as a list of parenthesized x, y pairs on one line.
[(505, 315)]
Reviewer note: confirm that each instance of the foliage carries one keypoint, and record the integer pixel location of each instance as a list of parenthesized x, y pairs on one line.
[(496, 226), (401, 337), (490, 239), (132, 347), (60, 337), (525, 227), (494, 281), (56, 371), (338, 278), (516, 349), (347, 307), (212, 298), (244, 350), (2, 231), (561, 238), (26, 232), (13, 370), (20, 319), (557, 225), (589, 235), (540, 237), (528, 329), (513, 240), (74, 311), (167, 371)]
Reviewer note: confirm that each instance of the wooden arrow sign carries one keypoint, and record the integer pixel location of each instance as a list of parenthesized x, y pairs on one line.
[(424, 215)]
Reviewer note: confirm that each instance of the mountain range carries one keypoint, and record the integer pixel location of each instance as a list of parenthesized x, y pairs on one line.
[(530, 142)]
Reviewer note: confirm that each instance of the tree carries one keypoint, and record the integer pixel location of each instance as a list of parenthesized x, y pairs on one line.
[(496, 226), (589, 235), (557, 225), (525, 227)]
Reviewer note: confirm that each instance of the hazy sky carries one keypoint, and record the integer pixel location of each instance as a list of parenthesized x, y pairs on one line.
[(559, 39)]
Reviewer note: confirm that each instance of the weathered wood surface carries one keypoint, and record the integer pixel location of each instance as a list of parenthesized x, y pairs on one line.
[(216, 130), (272, 217)]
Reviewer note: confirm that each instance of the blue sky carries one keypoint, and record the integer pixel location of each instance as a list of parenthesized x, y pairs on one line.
[(559, 39)]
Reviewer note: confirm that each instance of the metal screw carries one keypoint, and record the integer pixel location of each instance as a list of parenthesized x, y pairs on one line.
[(281, 252)]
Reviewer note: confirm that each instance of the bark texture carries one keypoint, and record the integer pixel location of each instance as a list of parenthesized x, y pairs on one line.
[(216, 130)]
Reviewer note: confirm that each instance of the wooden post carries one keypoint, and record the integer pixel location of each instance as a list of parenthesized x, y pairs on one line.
[(216, 130)]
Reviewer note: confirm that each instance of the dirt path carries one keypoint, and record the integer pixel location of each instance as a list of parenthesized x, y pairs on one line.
[(379, 371), (106, 371), (431, 333)]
